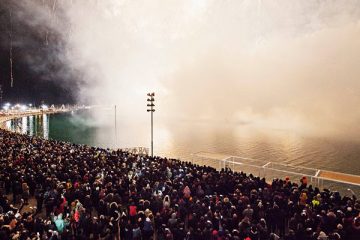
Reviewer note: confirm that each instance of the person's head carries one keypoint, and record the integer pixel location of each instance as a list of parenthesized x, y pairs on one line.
[(357, 222)]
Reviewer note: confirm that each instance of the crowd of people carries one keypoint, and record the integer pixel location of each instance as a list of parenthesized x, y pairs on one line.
[(58, 190)]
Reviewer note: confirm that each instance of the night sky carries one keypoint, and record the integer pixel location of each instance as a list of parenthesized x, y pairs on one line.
[(38, 72)]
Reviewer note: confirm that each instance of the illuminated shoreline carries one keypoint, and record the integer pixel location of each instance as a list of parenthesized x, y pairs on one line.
[(34, 112)]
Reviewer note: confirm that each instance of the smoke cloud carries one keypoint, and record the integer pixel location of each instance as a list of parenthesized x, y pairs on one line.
[(269, 64)]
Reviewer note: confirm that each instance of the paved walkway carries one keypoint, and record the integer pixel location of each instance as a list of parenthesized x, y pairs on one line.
[(342, 177)]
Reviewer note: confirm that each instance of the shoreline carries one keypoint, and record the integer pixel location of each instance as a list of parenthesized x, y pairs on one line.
[(208, 159), (4, 119)]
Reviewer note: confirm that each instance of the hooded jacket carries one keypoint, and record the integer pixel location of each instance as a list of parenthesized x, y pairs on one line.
[(60, 223)]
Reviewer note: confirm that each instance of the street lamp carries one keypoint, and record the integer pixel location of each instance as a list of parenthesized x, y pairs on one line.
[(115, 127), (151, 109)]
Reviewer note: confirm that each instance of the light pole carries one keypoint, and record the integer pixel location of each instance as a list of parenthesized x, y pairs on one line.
[(115, 127), (151, 109)]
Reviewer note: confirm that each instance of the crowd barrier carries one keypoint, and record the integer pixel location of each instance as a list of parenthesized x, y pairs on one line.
[(334, 181), (142, 151)]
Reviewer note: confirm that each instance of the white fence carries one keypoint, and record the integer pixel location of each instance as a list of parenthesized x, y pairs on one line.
[(333, 181)]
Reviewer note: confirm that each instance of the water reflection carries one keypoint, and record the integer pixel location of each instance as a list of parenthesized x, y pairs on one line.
[(179, 139), (45, 126), (30, 125), (24, 125), (8, 125)]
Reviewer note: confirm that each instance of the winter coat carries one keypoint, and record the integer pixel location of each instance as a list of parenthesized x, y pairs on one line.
[(60, 223)]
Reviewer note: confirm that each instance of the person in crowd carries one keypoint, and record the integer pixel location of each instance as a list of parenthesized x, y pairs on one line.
[(84, 192)]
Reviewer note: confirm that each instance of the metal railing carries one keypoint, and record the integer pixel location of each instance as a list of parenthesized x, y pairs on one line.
[(333, 181), (143, 151)]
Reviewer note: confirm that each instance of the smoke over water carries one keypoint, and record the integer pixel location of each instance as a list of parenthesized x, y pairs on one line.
[(288, 65)]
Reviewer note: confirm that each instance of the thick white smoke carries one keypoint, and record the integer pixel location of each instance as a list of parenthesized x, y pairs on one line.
[(271, 64)]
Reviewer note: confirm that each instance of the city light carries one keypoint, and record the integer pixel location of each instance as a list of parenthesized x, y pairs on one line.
[(6, 106), (23, 107), (44, 107)]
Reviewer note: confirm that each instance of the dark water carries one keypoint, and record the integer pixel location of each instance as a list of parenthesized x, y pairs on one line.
[(180, 139), (55, 126)]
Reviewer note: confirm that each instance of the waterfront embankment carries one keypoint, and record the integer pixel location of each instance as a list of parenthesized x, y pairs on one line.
[(10, 115)]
